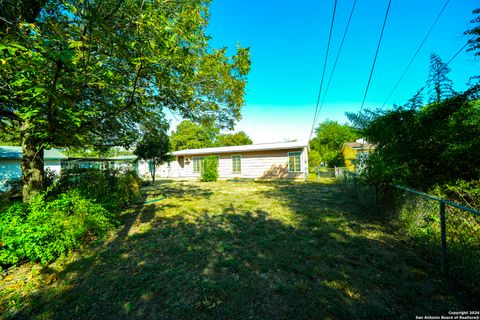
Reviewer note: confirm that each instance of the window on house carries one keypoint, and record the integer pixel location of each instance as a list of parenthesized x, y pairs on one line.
[(197, 164), (294, 161), (236, 164)]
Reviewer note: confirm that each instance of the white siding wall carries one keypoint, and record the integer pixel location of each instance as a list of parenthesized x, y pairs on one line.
[(163, 171), (11, 169), (258, 164), (53, 165)]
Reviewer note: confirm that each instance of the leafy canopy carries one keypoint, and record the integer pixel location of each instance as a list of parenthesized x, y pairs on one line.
[(191, 135), (154, 146), (233, 139), (436, 144), (328, 142), (89, 72)]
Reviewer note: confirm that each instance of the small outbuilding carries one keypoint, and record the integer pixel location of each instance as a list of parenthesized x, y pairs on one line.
[(270, 161), (10, 163)]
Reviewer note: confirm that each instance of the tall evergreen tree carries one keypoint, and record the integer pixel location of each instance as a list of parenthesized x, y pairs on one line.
[(475, 33), (416, 101), (440, 86)]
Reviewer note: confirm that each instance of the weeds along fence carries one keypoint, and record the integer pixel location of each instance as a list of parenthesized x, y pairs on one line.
[(447, 233)]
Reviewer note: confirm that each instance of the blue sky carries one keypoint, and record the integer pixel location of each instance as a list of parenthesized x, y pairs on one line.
[(288, 41)]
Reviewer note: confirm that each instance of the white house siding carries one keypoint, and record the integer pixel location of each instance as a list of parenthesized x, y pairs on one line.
[(165, 170), (11, 169), (53, 165), (268, 164)]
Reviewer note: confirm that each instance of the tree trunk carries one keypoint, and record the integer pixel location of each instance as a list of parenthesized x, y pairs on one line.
[(32, 169), (154, 167)]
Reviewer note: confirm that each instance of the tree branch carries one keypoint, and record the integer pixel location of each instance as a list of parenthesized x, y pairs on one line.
[(9, 115), (108, 16)]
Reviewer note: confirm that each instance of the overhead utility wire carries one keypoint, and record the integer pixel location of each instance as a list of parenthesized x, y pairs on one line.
[(415, 55), (324, 67), (376, 54), (338, 55)]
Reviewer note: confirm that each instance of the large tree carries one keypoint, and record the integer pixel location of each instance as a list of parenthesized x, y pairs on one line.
[(474, 32), (438, 143), (330, 136), (90, 72), (192, 135), (233, 139), (439, 83)]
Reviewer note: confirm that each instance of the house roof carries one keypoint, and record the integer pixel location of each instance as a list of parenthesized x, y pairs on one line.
[(11, 152), (126, 157), (118, 158), (245, 148)]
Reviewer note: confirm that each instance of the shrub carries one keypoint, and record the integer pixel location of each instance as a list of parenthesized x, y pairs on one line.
[(113, 189), (128, 189), (209, 169), (463, 192), (49, 177), (42, 231)]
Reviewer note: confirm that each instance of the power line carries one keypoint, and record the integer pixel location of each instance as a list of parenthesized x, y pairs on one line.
[(324, 67), (376, 54), (338, 55), (416, 53)]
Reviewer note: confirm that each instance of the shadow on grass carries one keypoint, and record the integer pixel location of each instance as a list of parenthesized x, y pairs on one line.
[(179, 189), (244, 264)]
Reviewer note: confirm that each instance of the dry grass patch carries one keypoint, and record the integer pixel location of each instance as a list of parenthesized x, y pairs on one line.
[(237, 250)]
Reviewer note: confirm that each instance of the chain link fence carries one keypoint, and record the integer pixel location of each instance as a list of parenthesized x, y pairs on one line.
[(445, 232)]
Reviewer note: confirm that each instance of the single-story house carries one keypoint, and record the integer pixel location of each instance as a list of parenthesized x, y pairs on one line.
[(352, 151), (281, 160), (10, 163)]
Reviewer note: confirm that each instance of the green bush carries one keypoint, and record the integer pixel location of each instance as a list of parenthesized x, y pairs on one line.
[(463, 192), (127, 190), (209, 170), (44, 230), (113, 189)]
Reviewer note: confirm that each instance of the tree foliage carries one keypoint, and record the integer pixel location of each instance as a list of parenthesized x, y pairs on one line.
[(328, 142), (436, 144), (209, 169), (89, 73), (154, 147), (191, 135), (475, 33), (440, 86), (233, 139)]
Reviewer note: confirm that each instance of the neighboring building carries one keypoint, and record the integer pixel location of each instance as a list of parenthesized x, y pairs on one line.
[(281, 160), (353, 151), (10, 163), (128, 162)]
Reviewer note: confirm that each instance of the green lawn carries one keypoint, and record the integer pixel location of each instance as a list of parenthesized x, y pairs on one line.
[(244, 250)]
